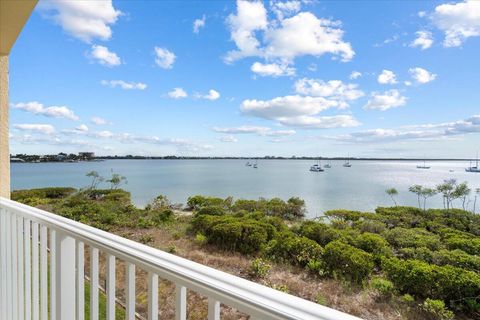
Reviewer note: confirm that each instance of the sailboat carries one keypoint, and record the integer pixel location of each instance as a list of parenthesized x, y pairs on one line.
[(347, 163), (475, 168), (317, 167), (255, 166), (424, 166), (328, 165), (248, 164)]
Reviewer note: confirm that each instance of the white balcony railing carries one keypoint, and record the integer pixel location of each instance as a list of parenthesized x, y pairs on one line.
[(42, 274)]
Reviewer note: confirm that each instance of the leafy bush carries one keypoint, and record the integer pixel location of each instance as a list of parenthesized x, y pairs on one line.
[(383, 287), (211, 210), (371, 226), (425, 280), (259, 268), (235, 233), (198, 201), (374, 244), (415, 237), (288, 247), (200, 239), (35, 197), (348, 262), (437, 309), (319, 232)]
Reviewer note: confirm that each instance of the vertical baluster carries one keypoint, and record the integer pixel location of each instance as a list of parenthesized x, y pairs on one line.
[(213, 309), (43, 274), (35, 274), (93, 283), (130, 291), (27, 232), (20, 279), (110, 287), (152, 296), (14, 261), (80, 281), (3, 266), (65, 280), (180, 302), (53, 275), (8, 244)]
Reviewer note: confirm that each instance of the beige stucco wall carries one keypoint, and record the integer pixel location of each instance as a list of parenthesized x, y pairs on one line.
[(4, 136)]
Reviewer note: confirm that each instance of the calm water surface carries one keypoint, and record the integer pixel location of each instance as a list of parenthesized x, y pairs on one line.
[(361, 187)]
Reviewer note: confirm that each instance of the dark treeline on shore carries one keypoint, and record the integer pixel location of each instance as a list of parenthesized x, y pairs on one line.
[(62, 157)]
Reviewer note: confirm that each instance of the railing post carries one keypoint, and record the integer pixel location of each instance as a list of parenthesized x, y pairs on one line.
[(65, 276)]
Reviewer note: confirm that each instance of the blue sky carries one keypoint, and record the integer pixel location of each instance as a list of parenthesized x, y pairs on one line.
[(221, 78)]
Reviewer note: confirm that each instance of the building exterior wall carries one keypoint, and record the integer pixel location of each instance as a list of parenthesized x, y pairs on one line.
[(4, 135)]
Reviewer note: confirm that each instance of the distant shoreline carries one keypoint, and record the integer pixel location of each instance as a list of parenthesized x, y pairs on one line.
[(248, 158)]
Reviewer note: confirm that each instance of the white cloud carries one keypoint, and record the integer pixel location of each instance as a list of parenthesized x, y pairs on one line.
[(322, 122), (124, 85), (459, 21), (415, 132), (198, 24), (177, 93), (82, 128), (85, 20), (230, 139), (272, 69), (242, 130), (39, 128), (261, 131), (333, 89), (305, 34), (52, 112), (387, 77), (211, 95), (99, 121), (387, 100), (104, 56), (421, 75), (104, 134), (251, 16), (355, 75), (298, 111), (164, 58), (301, 34), (424, 40), (286, 8)]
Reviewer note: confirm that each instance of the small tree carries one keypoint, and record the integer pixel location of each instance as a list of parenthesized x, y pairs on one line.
[(417, 189), (425, 194), (462, 191), (96, 179), (116, 180), (447, 189), (392, 192)]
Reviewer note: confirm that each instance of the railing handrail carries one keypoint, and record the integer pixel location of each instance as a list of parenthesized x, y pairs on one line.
[(257, 300)]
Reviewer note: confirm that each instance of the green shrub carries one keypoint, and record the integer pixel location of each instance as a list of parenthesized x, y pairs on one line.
[(319, 232), (371, 226), (346, 215), (421, 279), (437, 309), (288, 247), (383, 287), (211, 210), (373, 243), (197, 202), (457, 258), (234, 233), (348, 262), (200, 239), (34, 197), (469, 245), (416, 237), (259, 268)]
